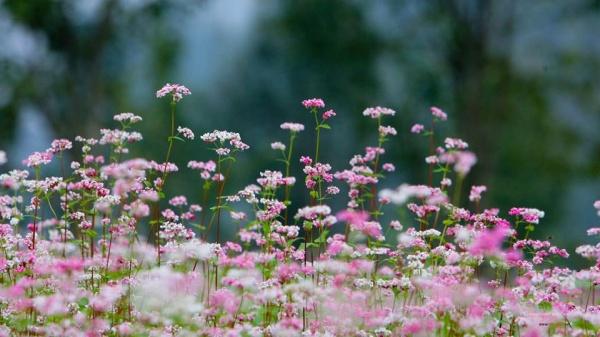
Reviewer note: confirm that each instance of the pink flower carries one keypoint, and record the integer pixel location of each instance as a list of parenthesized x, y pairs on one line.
[(475, 194), (438, 113), (532, 332), (313, 103), (176, 90), (59, 145), (376, 112), (224, 299), (387, 131), (389, 167), (531, 215), (489, 241), (305, 160), (417, 128), (328, 114), (352, 217), (37, 159), (455, 143), (464, 161), (178, 201)]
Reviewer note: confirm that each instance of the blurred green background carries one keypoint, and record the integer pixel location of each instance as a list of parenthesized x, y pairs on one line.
[(519, 80)]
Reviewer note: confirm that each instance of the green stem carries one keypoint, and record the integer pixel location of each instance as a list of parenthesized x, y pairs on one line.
[(318, 129), (171, 138), (287, 174), (165, 175)]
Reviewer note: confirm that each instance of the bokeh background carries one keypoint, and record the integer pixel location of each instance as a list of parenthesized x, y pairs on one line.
[(519, 80)]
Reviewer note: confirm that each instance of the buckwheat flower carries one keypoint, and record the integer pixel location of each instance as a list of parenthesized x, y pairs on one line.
[(59, 145), (332, 190), (464, 161), (2, 158), (387, 130), (293, 127), (446, 182), (37, 159), (422, 210), (185, 132), (531, 215), (127, 117), (475, 194), (438, 113), (489, 241), (313, 103), (328, 114), (312, 212), (417, 128), (162, 167), (396, 225), (593, 231), (222, 151), (177, 91), (178, 201), (388, 167), (237, 215), (597, 206), (455, 143), (353, 217), (305, 160), (432, 159), (376, 112), (278, 146)]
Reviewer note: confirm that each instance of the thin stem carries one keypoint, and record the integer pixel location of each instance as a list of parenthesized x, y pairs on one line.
[(165, 175), (318, 129), (287, 174)]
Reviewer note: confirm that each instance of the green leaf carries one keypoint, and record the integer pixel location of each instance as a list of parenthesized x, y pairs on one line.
[(177, 138), (84, 301), (199, 226), (324, 126), (90, 232), (545, 306), (308, 225), (228, 158)]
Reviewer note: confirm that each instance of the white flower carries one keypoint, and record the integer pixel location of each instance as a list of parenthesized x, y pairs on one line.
[(278, 146)]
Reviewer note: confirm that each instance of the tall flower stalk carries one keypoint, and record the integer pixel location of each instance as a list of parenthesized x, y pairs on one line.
[(176, 92)]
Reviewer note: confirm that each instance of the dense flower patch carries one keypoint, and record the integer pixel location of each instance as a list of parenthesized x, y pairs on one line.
[(74, 262)]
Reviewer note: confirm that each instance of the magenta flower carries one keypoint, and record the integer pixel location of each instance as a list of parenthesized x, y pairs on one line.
[(313, 103), (489, 241), (328, 114), (353, 217)]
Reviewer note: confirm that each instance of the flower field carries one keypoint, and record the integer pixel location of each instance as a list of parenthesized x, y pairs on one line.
[(103, 250)]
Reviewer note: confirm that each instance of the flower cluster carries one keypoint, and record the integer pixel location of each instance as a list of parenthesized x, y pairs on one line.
[(177, 91), (103, 250)]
